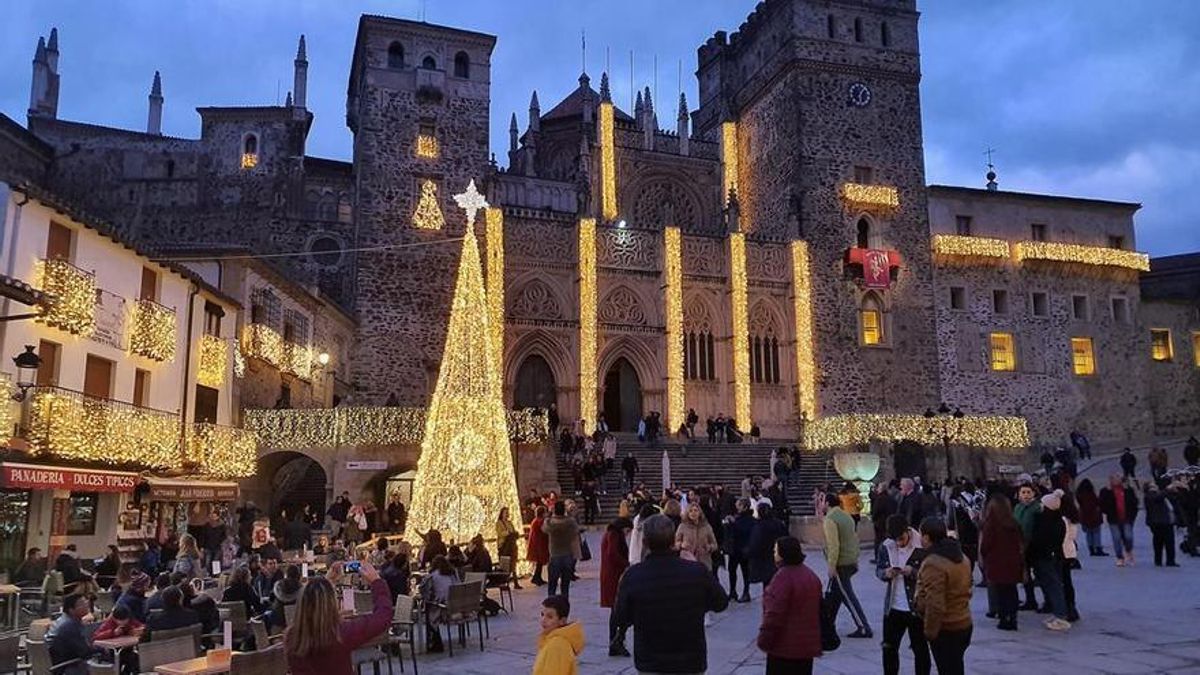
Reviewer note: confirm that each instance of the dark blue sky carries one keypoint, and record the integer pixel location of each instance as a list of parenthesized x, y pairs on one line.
[(1098, 98)]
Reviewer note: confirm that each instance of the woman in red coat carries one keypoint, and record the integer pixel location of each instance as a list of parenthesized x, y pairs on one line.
[(1002, 550), (539, 546), (1090, 518), (614, 558), (790, 633)]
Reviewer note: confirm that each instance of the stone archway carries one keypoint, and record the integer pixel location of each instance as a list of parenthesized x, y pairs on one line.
[(908, 458), (534, 386), (622, 396), (289, 481)]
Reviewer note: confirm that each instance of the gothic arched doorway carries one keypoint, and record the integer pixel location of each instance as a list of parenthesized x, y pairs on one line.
[(909, 459), (622, 397), (535, 384)]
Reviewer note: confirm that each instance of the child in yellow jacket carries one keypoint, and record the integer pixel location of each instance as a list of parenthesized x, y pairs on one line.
[(561, 640)]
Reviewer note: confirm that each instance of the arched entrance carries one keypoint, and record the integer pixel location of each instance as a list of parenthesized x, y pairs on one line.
[(295, 481), (535, 386), (909, 459), (622, 397)]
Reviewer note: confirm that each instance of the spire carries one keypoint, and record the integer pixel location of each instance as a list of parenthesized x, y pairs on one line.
[(154, 117), (156, 87), (605, 94), (39, 54), (649, 102), (287, 102), (513, 132), (535, 114), (52, 50), (53, 44), (533, 102), (302, 51), (681, 126), (300, 78), (512, 123), (584, 81), (683, 106), (638, 108), (42, 94)]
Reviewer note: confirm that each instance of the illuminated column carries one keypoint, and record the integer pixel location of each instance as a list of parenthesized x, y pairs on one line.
[(806, 380), (495, 287), (673, 301), (741, 331), (587, 321), (608, 163), (729, 155)]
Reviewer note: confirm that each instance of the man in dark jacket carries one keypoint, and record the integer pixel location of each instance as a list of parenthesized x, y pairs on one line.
[(297, 534), (1119, 504), (174, 614), (737, 544), (212, 537), (629, 466), (1191, 451), (1128, 463), (665, 598), (910, 503), (66, 639)]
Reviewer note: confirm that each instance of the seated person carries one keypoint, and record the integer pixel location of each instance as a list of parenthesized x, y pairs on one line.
[(155, 600), (286, 592), (395, 572), (174, 614), (31, 571), (457, 559), (75, 580), (134, 597), (204, 607), (269, 575), (479, 559), (66, 639), (240, 590), (121, 623)]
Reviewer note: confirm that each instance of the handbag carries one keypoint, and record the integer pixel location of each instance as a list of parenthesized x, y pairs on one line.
[(830, 602), (585, 551)]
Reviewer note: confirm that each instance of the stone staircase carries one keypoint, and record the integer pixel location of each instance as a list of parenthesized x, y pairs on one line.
[(703, 462)]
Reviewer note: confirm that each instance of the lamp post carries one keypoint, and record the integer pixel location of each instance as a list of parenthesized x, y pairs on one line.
[(948, 426), (27, 364)]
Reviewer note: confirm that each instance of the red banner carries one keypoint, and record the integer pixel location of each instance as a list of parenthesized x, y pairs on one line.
[(877, 270), (32, 477)]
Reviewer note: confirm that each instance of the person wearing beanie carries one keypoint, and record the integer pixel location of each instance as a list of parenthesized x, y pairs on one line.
[(896, 564), (1046, 555), (134, 597)]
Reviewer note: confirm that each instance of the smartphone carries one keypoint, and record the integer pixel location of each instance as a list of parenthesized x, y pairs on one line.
[(354, 566)]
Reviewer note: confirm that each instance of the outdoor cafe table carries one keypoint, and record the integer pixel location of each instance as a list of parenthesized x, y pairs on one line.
[(196, 666), (115, 645), (12, 595)]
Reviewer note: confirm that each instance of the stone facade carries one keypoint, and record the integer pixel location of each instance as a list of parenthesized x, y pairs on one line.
[(1171, 301)]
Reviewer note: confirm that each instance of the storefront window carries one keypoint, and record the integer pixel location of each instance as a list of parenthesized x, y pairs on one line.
[(14, 526), (83, 514)]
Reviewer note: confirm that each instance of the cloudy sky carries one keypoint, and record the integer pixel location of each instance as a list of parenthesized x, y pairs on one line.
[(1095, 98)]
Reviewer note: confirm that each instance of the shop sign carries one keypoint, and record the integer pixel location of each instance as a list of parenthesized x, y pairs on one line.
[(1011, 468), (31, 477), (367, 465), (184, 492)]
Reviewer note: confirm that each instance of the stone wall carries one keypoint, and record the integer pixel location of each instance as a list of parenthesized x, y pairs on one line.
[(1173, 387)]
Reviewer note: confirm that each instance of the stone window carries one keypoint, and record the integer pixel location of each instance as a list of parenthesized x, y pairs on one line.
[(858, 30), (1161, 348), (1004, 353), (831, 27), (958, 297), (871, 321), (462, 65), (962, 226), (863, 239), (170, 168), (1040, 303), (1037, 231), (1120, 310), (764, 360), (885, 34), (698, 354), (1083, 359), (395, 59), (250, 151), (1079, 307), (1000, 301), (1196, 348), (1115, 241), (428, 63), (864, 175)]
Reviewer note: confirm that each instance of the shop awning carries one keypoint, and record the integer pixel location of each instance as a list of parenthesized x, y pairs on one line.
[(184, 490), (43, 477)]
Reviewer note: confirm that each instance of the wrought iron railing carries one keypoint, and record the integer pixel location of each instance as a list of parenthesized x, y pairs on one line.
[(153, 333), (72, 425)]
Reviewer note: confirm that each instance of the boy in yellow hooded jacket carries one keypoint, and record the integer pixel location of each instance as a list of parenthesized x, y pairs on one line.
[(561, 640)]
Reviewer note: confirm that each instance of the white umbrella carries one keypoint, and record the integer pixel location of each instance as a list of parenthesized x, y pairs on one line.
[(666, 471)]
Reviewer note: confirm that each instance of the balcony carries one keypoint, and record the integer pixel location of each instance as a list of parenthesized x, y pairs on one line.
[(71, 425), (260, 341), (961, 246), (153, 331), (222, 452), (298, 360), (72, 301), (1050, 251), (879, 196), (214, 356)]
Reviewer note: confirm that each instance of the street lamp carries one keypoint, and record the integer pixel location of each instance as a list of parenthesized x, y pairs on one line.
[(27, 364), (947, 425), (323, 358)]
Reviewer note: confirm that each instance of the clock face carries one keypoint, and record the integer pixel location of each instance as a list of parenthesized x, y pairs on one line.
[(860, 95)]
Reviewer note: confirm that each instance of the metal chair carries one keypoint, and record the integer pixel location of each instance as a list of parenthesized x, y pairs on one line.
[(159, 652), (374, 653), (403, 630), (39, 659), (38, 629), (10, 647), (237, 616), (481, 579), (50, 593), (461, 608), (193, 632), (505, 587), (364, 602), (270, 661), (262, 637), (289, 613)]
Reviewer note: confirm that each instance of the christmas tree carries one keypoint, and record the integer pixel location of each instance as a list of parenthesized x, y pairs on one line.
[(465, 474)]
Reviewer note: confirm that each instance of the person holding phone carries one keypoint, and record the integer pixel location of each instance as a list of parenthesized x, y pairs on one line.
[(320, 641), (897, 561)]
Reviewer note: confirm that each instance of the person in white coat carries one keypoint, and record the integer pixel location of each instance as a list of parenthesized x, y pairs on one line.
[(1070, 511)]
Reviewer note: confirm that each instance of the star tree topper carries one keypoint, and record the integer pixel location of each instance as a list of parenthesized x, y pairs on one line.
[(472, 202)]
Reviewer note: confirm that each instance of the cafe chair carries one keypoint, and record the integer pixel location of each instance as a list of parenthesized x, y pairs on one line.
[(159, 652), (374, 653), (364, 602), (505, 566), (193, 632), (262, 637), (289, 613), (271, 661), (10, 647), (403, 631), (50, 594), (103, 605), (39, 659), (461, 608), (38, 629), (481, 579)]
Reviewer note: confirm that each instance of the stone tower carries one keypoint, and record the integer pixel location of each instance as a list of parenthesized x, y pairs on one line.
[(825, 95), (417, 104)]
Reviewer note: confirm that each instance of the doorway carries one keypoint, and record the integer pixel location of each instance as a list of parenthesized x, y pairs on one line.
[(622, 397), (535, 384), (909, 459)]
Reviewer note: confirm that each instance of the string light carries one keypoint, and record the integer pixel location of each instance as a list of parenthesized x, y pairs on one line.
[(1084, 255), (298, 360), (673, 301), (608, 162), (495, 284), (73, 297), (239, 362), (70, 425), (729, 155), (153, 332), (249, 160), (260, 341), (871, 195), (223, 452), (214, 354), (428, 215), (465, 473), (427, 146), (806, 369), (294, 429), (1007, 433), (7, 419), (741, 331), (587, 321), (974, 247)]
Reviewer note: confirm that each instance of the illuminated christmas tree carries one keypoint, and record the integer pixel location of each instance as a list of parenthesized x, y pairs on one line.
[(465, 474), (428, 215)]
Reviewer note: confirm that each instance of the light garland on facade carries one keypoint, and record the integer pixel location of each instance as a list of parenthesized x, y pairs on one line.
[(608, 162), (223, 452), (838, 431), (214, 355), (465, 473), (1084, 255), (153, 331), (298, 360), (729, 155), (673, 302), (428, 215), (7, 418), (239, 362), (249, 160), (870, 195), (300, 428), (974, 247), (741, 332), (260, 341), (73, 292), (494, 232), (806, 369), (427, 146), (587, 321), (69, 425)]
